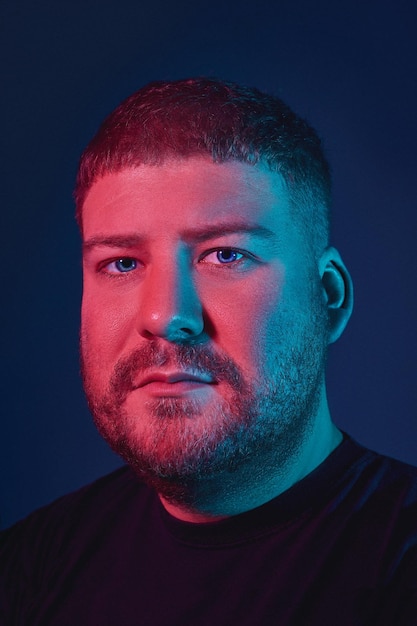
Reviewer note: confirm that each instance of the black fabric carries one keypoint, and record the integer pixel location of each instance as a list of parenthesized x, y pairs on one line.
[(338, 548)]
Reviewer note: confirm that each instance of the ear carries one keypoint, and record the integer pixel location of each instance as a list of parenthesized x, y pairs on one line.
[(338, 291)]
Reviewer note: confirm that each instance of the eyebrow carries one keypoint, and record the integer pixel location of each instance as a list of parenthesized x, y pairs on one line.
[(204, 233), (227, 228), (112, 241)]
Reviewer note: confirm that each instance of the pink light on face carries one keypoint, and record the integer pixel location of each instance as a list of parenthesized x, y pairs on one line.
[(198, 267)]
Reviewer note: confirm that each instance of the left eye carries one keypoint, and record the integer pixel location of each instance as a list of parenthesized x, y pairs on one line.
[(122, 265), (223, 256)]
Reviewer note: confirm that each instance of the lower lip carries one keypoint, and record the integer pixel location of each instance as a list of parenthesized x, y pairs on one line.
[(179, 388)]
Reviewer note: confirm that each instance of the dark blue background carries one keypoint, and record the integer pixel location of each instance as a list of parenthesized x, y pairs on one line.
[(349, 66)]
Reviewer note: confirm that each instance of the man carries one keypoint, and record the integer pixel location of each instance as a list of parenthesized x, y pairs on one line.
[(211, 294)]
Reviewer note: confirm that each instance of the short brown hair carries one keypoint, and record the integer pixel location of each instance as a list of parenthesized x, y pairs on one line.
[(226, 121)]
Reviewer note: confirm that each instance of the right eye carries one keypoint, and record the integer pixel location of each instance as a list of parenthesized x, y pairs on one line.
[(121, 266)]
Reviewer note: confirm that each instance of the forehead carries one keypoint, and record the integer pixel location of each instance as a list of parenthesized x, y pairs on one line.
[(185, 193)]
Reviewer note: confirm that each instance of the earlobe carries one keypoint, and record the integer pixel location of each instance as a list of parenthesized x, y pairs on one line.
[(338, 291)]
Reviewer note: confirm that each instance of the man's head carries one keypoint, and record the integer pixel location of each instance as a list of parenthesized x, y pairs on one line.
[(208, 302), (223, 121)]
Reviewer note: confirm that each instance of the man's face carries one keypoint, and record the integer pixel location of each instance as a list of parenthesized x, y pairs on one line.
[(204, 328)]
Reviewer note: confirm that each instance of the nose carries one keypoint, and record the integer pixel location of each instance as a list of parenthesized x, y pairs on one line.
[(170, 306)]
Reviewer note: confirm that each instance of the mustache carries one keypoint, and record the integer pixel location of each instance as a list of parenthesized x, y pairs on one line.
[(200, 359)]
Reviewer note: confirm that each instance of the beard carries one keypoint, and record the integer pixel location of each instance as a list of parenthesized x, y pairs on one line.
[(177, 442)]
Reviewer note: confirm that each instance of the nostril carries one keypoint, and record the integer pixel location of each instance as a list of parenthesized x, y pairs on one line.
[(186, 331)]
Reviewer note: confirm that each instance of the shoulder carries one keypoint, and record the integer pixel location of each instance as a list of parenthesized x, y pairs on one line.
[(51, 542), (378, 473), (377, 480), (110, 485), (57, 524), (378, 494)]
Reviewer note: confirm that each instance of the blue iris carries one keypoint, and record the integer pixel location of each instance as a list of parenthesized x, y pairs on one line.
[(227, 255), (125, 265)]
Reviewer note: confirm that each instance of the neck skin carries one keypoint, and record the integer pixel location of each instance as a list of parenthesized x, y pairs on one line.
[(250, 488)]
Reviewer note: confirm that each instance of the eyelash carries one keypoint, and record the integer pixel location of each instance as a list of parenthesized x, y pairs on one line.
[(243, 256), (236, 251), (120, 260)]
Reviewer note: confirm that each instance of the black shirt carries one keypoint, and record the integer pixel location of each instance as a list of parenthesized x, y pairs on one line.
[(338, 548)]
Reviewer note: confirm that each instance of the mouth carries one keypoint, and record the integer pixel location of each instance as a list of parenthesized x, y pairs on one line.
[(174, 383), (174, 378)]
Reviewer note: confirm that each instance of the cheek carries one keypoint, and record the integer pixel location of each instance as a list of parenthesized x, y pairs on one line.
[(245, 319), (105, 324)]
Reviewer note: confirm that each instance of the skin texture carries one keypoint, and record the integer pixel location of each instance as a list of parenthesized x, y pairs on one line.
[(205, 322)]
